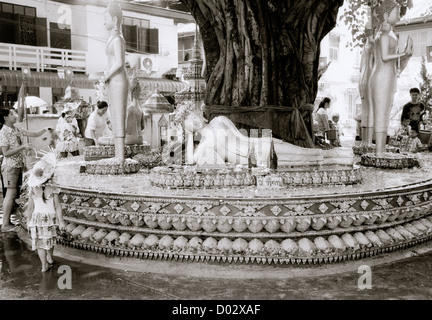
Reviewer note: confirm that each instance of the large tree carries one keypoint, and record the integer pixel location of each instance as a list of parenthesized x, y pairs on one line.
[(264, 53)]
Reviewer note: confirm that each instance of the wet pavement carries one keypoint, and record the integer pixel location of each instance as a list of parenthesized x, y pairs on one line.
[(21, 278)]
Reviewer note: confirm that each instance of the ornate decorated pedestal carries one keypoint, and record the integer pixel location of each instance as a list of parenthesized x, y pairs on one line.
[(176, 176), (360, 150), (107, 166), (390, 160), (128, 216), (98, 159), (103, 152)]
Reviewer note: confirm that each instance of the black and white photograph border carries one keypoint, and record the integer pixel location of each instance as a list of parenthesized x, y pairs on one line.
[(144, 216)]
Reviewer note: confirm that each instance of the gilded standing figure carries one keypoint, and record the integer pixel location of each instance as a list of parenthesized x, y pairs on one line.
[(366, 66), (388, 63), (115, 77)]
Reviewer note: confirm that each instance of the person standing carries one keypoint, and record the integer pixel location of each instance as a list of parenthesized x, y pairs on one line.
[(323, 120), (413, 110), (82, 111), (97, 124), (67, 131), (44, 213), (335, 125), (12, 146)]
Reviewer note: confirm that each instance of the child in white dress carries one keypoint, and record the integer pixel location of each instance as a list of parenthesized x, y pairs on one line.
[(67, 132), (44, 213)]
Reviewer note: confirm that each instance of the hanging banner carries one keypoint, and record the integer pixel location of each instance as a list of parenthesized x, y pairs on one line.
[(21, 102)]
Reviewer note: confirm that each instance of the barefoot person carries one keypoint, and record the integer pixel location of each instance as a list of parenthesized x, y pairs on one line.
[(44, 213), (11, 142)]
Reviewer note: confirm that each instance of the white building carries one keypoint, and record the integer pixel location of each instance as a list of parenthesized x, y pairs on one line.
[(340, 81), (418, 25), (54, 37)]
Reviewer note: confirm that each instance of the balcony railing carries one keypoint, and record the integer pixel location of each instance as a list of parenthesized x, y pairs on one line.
[(41, 59)]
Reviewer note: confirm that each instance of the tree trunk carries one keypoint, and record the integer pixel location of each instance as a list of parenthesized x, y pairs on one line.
[(263, 52)]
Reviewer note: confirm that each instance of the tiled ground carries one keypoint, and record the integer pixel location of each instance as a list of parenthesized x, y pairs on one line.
[(20, 278)]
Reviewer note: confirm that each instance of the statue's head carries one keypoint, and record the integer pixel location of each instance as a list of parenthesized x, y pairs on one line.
[(387, 11), (113, 16), (194, 122), (135, 88)]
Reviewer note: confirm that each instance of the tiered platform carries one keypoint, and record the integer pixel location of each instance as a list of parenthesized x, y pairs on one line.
[(98, 159), (360, 150), (125, 215), (176, 176), (393, 158), (92, 153)]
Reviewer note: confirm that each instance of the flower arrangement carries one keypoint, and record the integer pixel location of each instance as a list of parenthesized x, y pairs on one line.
[(101, 91), (181, 113), (150, 160)]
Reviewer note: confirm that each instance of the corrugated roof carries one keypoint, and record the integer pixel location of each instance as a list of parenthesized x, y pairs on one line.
[(81, 81), (44, 79), (157, 103), (163, 85)]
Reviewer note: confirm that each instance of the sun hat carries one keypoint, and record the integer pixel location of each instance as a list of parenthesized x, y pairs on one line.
[(42, 170)]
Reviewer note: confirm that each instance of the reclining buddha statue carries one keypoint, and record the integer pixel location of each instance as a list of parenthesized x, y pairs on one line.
[(221, 142)]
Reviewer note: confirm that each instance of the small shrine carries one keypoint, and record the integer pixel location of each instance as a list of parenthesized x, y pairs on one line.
[(192, 76), (98, 159), (157, 110)]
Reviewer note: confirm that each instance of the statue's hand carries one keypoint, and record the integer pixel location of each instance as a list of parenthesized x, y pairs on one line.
[(409, 46)]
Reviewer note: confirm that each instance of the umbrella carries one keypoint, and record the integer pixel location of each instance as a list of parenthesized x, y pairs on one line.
[(33, 101)]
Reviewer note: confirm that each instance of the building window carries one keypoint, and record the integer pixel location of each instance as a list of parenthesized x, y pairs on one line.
[(185, 48), (139, 36), (60, 37), (17, 24), (334, 47), (7, 8)]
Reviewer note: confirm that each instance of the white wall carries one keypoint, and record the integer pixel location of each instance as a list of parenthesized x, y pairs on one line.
[(45, 94), (80, 38), (97, 38), (98, 35)]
